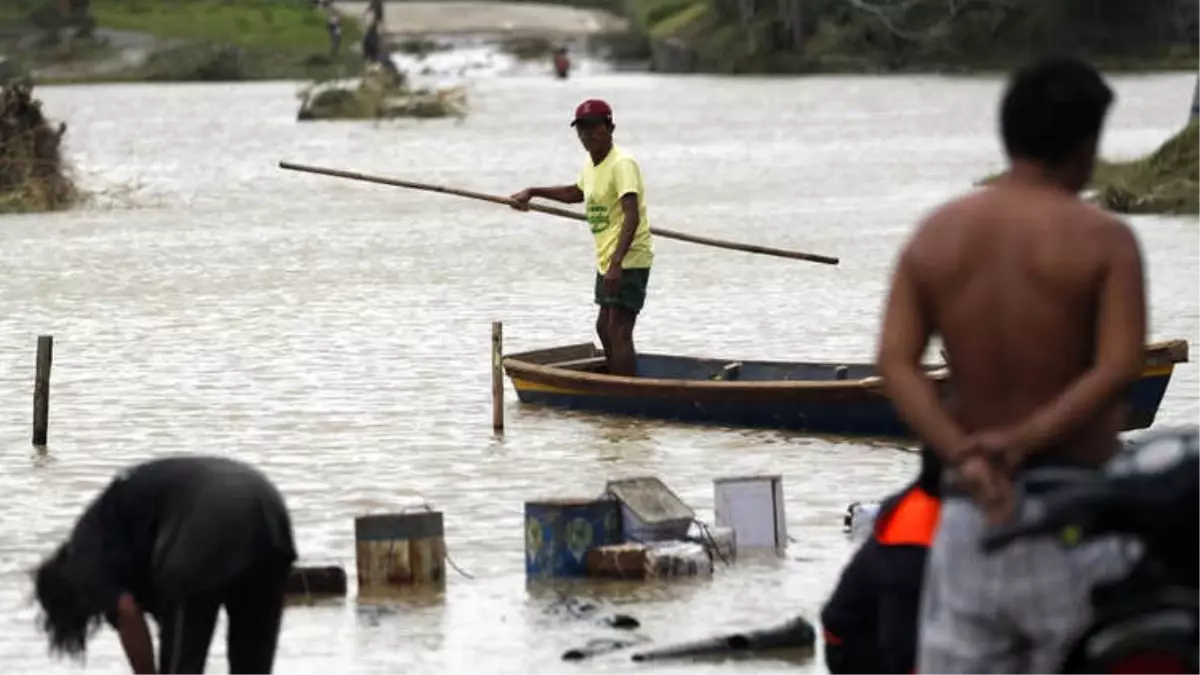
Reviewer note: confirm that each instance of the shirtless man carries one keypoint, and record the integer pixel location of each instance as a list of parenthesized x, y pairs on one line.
[(1039, 301)]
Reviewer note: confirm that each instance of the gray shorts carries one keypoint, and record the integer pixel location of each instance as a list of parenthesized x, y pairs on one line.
[(1018, 610)]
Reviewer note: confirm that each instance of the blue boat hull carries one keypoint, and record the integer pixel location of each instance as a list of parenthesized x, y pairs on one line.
[(815, 398)]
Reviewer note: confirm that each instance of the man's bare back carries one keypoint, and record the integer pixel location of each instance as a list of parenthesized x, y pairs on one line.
[(1013, 278), (1039, 301)]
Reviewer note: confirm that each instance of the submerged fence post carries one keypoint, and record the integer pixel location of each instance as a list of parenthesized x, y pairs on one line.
[(1195, 101), (497, 377), (41, 389)]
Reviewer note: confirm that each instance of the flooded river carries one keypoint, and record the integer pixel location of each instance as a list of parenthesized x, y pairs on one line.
[(336, 334)]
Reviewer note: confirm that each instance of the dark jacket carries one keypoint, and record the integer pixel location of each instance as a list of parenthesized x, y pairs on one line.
[(171, 528), (870, 621)]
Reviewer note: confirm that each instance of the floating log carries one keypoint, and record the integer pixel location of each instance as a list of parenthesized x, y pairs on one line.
[(796, 634), (316, 581)]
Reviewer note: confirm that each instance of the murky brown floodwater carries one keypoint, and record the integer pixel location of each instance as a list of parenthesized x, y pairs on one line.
[(336, 333)]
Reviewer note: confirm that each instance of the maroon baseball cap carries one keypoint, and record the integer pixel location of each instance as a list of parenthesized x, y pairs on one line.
[(592, 108)]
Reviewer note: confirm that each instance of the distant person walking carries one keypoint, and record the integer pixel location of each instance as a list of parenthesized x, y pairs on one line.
[(375, 11), (177, 538), (335, 33)]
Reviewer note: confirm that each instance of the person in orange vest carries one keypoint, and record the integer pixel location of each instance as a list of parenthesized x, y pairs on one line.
[(870, 621)]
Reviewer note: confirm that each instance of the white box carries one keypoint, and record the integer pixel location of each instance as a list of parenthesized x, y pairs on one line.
[(753, 507)]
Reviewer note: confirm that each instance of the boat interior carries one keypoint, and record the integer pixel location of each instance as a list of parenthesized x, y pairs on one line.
[(587, 358)]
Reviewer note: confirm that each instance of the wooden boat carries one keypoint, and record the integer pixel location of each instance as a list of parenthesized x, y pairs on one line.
[(842, 399)]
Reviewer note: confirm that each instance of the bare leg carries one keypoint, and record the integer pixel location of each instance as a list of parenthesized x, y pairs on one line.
[(622, 358), (602, 322)]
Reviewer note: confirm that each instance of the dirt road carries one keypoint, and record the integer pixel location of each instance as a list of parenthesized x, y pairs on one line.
[(479, 17)]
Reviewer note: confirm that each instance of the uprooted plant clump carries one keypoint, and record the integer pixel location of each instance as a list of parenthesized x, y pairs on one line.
[(379, 94), (33, 175)]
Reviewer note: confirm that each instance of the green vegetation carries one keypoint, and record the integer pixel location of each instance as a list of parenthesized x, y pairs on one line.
[(1166, 181), (282, 25), (32, 175), (919, 35), (186, 39)]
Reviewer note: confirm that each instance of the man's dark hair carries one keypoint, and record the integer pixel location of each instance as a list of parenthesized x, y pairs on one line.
[(65, 617), (1051, 108)]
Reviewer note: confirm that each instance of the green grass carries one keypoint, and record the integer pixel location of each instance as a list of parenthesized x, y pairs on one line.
[(277, 24), (679, 20), (214, 40), (273, 24)]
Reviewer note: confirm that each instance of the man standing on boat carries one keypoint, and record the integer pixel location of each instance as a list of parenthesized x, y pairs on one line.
[(615, 196), (1039, 300)]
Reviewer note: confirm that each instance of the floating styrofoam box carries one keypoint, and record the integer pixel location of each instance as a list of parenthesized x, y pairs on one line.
[(650, 511), (753, 507), (860, 518)]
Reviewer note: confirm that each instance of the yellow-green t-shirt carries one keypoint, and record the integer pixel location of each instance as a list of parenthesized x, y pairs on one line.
[(603, 185)]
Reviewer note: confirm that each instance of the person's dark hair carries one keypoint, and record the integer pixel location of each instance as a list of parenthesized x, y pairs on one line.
[(1051, 108), (65, 617)]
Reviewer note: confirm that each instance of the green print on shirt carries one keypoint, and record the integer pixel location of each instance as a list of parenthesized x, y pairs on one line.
[(597, 217)]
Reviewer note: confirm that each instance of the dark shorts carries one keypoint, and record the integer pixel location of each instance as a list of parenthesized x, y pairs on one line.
[(631, 295)]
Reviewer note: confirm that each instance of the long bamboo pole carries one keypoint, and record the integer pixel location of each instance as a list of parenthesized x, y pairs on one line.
[(562, 213)]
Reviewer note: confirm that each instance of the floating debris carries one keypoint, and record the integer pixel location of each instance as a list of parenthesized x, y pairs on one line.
[(599, 646), (379, 94), (795, 635)]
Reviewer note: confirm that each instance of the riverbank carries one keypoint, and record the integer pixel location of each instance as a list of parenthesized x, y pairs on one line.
[(835, 36), (181, 40), (216, 40), (1165, 182)]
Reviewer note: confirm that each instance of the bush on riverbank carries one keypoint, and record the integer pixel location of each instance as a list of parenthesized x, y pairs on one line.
[(867, 35), (1167, 181), (32, 173), (224, 62)]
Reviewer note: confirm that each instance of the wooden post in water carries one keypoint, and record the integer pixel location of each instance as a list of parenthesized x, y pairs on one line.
[(41, 389), (395, 551), (1195, 112), (497, 377)]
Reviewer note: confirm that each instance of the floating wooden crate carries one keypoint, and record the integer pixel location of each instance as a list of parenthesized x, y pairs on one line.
[(399, 550)]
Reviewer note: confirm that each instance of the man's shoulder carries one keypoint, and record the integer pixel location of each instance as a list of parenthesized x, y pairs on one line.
[(621, 155)]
